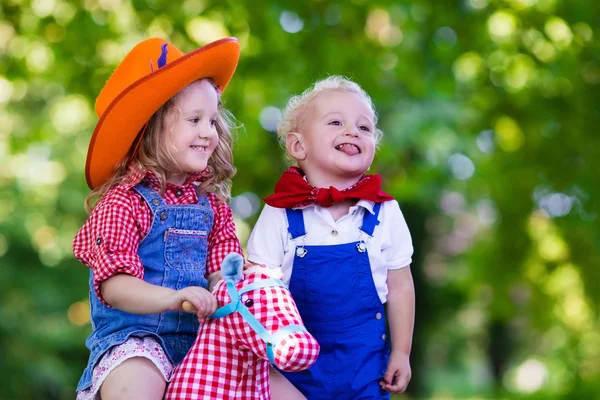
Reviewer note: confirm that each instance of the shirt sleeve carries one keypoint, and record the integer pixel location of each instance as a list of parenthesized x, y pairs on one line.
[(397, 248), (108, 241), (222, 239), (266, 244)]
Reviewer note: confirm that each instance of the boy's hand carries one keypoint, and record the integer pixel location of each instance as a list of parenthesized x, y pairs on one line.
[(203, 301), (398, 373), (249, 264)]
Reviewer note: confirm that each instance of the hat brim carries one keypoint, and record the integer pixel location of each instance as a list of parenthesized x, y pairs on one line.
[(122, 120)]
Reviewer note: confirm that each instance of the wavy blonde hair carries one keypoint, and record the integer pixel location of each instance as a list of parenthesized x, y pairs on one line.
[(153, 154), (295, 110)]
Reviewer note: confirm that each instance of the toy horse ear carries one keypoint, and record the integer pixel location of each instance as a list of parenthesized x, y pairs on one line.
[(231, 267)]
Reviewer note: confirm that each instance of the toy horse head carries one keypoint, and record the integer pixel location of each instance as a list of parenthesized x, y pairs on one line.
[(262, 316)]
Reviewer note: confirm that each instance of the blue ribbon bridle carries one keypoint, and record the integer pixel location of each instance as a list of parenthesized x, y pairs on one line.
[(236, 305)]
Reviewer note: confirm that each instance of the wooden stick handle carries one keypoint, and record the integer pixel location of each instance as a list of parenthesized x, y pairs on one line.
[(187, 306)]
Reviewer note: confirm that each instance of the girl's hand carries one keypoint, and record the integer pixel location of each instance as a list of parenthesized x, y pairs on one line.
[(203, 301), (398, 373)]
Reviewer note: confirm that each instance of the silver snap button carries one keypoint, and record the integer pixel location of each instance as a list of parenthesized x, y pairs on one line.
[(163, 216), (384, 336), (206, 218), (179, 192), (301, 252), (155, 202), (361, 247), (99, 240), (378, 315), (334, 233)]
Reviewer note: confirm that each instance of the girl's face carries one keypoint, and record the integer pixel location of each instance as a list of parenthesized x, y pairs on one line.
[(194, 136), (338, 136)]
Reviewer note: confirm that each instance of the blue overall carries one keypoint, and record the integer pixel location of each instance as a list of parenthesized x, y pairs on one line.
[(173, 254), (334, 290)]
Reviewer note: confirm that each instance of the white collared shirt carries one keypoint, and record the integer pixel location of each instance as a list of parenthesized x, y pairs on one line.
[(390, 247)]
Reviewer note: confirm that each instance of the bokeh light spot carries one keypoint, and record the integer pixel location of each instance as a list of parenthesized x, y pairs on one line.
[(560, 33), (461, 166), (270, 117), (502, 26), (468, 67), (79, 313), (70, 114), (291, 22), (531, 376), (43, 8), (40, 58), (380, 28), (205, 30), (478, 4), (508, 134), (6, 90), (7, 32)]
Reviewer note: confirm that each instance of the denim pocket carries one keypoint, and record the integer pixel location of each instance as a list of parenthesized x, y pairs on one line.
[(186, 249)]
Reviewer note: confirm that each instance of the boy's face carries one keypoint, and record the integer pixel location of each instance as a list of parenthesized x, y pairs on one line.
[(194, 136), (337, 134)]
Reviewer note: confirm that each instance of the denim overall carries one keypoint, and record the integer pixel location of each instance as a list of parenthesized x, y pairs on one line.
[(173, 254), (334, 290)]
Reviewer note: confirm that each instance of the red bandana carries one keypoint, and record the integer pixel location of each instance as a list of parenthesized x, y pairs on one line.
[(293, 191)]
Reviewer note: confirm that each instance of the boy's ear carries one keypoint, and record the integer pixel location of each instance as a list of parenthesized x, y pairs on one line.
[(294, 144)]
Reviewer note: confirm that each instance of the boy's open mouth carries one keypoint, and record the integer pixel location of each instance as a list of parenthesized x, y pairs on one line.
[(348, 148)]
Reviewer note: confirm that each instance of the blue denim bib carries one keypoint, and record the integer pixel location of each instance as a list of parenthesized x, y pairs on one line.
[(173, 254)]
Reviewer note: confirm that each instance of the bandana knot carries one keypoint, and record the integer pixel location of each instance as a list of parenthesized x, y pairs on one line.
[(327, 197)]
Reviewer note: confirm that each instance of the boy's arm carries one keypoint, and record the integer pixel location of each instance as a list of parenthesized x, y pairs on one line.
[(401, 316), (266, 244)]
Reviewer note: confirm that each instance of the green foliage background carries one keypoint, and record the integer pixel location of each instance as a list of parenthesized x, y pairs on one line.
[(489, 108)]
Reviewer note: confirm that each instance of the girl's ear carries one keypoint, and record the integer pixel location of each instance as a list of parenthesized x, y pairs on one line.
[(294, 144)]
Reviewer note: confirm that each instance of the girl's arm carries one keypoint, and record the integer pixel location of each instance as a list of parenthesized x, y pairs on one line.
[(136, 296), (401, 317)]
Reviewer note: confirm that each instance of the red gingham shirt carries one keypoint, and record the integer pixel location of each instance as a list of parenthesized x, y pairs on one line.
[(109, 239)]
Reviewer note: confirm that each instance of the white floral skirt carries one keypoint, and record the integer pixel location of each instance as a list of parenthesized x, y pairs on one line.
[(146, 347)]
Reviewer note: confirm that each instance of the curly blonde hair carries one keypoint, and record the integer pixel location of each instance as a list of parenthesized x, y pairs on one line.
[(153, 154), (295, 110)]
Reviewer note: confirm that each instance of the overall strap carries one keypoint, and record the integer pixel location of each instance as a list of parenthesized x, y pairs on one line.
[(370, 221), (150, 195), (202, 197), (295, 222)]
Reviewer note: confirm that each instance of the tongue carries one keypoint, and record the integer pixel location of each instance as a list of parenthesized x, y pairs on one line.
[(349, 149)]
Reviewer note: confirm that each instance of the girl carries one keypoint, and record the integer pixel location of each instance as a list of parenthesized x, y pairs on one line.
[(343, 246), (160, 164)]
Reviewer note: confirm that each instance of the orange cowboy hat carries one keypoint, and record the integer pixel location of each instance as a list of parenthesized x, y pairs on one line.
[(149, 75)]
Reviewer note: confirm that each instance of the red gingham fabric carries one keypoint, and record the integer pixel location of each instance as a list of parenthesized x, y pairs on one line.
[(109, 239), (228, 359)]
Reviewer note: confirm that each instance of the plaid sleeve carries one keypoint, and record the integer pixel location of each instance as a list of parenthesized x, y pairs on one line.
[(222, 239), (109, 239)]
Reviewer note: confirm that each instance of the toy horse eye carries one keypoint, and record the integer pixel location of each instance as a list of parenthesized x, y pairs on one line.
[(249, 303)]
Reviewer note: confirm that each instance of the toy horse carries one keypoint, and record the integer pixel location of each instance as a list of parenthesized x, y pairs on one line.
[(258, 324)]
